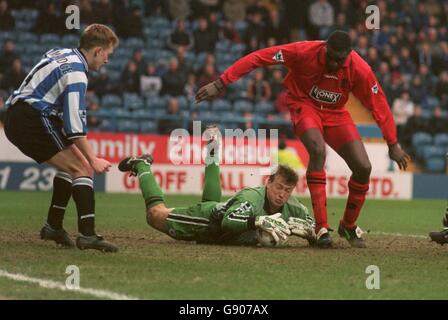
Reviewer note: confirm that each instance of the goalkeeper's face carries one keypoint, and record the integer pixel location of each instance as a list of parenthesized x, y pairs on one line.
[(278, 191)]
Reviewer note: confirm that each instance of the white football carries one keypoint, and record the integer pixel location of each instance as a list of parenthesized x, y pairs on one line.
[(266, 240)]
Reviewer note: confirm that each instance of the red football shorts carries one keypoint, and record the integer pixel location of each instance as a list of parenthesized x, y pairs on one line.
[(336, 125)]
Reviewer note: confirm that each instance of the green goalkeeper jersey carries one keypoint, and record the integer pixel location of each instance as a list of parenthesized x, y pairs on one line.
[(231, 220)]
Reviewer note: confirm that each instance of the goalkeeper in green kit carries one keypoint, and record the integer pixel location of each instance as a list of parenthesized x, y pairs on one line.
[(270, 208)]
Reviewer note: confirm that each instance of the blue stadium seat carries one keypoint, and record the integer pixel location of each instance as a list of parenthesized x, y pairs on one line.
[(134, 43), (107, 125), (154, 43), (26, 38), (155, 102), (205, 115), (24, 25), (203, 106), (431, 151), (164, 33), (7, 35), (122, 52), (264, 107), (142, 114), (183, 102), (120, 113), (419, 140), (441, 139), (228, 116), (222, 46), (111, 101), (132, 101), (220, 105), (160, 22), (238, 48), (242, 106), (148, 126), (70, 41), (240, 26), (50, 40), (30, 60), (127, 126), (222, 66), (435, 165), (114, 75), (117, 63), (158, 113)]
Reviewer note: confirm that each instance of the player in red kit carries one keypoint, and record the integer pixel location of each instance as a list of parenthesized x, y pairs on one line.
[(321, 76)]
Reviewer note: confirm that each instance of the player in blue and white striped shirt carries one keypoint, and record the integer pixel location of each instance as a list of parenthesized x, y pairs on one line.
[(57, 86), (46, 120)]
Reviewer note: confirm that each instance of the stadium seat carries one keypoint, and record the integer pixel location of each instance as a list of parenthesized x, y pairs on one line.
[(152, 44), (7, 35), (158, 113), (183, 102), (122, 51), (107, 125), (134, 43), (441, 139), (117, 63), (431, 151), (127, 126), (264, 107), (240, 26), (222, 46), (208, 116), (148, 126), (221, 105), (24, 25), (238, 48), (419, 140), (120, 113), (26, 38), (435, 164), (203, 106), (50, 40), (142, 114), (160, 22), (155, 102), (242, 106), (132, 101), (70, 41), (111, 101)]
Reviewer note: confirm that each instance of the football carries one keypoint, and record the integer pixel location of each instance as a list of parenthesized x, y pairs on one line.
[(266, 240)]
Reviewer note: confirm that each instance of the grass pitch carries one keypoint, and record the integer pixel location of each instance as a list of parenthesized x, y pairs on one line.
[(151, 265)]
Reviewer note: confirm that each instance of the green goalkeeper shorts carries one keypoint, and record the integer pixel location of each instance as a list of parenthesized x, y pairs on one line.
[(190, 223)]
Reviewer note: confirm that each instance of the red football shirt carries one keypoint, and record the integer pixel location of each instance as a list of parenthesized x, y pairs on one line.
[(308, 79)]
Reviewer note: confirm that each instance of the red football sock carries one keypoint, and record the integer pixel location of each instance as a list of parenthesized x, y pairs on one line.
[(356, 197), (317, 182)]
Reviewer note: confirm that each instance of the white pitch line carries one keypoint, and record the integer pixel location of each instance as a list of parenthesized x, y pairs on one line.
[(50, 284), (399, 235)]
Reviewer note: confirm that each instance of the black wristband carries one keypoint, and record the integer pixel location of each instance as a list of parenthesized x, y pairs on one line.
[(251, 223), (219, 85)]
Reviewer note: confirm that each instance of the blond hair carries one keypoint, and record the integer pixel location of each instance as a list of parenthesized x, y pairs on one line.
[(98, 35)]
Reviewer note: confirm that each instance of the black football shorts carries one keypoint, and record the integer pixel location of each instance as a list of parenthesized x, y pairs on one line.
[(37, 135)]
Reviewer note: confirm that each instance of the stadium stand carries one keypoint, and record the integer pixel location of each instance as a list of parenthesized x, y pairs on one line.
[(408, 53)]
